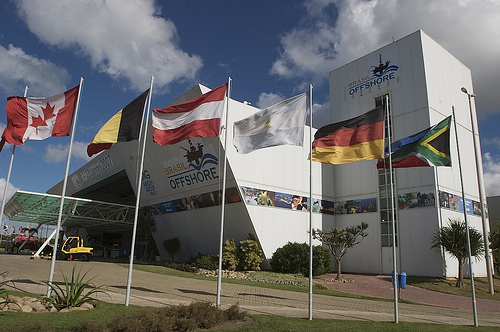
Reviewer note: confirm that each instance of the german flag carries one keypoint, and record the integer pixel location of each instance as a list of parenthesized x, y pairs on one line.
[(124, 126), (359, 138)]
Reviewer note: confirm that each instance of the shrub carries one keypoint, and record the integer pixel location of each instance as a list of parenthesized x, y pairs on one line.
[(322, 261), (230, 258), (73, 295), (4, 294), (294, 258), (181, 266), (251, 254), (207, 262), (177, 318)]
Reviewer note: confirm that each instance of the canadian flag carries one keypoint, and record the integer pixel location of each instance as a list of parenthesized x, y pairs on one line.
[(38, 118)]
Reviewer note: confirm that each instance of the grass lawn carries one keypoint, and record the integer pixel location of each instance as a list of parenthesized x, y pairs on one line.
[(448, 286), (105, 313)]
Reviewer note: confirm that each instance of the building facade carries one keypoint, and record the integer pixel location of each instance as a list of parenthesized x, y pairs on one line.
[(421, 82), (267, 190)]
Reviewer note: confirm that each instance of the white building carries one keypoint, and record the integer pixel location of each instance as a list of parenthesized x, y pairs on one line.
[(181, 182), (423, 82)]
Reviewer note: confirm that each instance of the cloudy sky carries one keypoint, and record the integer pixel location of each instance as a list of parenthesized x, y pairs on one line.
[(271, 49)]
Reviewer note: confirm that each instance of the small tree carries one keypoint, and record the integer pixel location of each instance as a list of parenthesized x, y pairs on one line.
[(251, 253), (340, 240), (230, 258), (453, 239), (146, 227), (172, 246)]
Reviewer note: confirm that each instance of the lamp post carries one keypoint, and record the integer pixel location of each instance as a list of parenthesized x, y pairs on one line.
[(479, 170)]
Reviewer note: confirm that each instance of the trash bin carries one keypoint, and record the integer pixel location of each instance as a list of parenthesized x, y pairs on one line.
[(402, 280)]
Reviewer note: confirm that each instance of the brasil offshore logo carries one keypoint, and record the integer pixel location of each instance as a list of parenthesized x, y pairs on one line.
[(195, 167), (383, 72), (195, 154)]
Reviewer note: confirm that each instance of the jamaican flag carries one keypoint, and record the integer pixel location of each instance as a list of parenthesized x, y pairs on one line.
[(428, 147)]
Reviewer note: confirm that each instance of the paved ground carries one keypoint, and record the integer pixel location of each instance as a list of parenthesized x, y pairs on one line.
[(149, 289)]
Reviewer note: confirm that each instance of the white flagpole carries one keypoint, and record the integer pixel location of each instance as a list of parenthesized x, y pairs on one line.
[(310, 207), (393, 222), (138, 195), (472, 290), (63, 193), (223, 198), (7, 181)]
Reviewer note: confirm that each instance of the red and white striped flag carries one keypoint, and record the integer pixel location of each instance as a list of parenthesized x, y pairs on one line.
[(39, 118), (199, 117)]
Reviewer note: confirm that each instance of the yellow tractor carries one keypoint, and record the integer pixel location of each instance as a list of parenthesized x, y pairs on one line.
[(73, 249)]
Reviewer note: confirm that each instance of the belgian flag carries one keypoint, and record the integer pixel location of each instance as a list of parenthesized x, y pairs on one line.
[(359, 138), (124, 126)]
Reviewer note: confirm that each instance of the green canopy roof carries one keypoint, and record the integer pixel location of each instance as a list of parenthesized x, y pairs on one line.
[(79, 212)]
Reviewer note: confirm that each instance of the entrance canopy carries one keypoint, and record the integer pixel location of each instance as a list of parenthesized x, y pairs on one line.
[(39, 208)]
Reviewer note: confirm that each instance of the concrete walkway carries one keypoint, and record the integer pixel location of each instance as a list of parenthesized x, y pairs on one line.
[(151, 289)]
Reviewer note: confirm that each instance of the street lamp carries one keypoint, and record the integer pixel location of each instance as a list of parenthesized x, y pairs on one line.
[(479, 170)]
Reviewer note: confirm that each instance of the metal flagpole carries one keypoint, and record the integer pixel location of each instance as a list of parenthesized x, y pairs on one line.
[(310, 207), (138, 195), (479, 173), (63, 193), (223, 198), (393, 223), (7, 181), (473, 292)]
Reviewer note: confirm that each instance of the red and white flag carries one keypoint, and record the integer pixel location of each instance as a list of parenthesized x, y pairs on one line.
[(5, 228), (38, 118), (199, 117)]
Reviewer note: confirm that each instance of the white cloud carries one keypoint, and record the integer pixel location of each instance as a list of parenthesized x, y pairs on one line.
[(494, 141), (491, 171), (18, 68), (59, 153), (269, 99), (321, 115), (125, 39), (11, 190), (335, 32)]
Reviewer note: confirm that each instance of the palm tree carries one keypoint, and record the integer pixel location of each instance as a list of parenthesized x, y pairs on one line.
[(453, 239), (172, 246), (495, 247)]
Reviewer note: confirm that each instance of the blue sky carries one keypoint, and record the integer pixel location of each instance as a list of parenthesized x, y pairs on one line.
[(271, 49)]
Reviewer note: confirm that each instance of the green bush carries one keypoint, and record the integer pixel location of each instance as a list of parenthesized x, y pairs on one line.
[(176, 318), (181, 267), (75, 293), (207, 262), (251, 254), (294, 258), (230, 258), (322, 261)]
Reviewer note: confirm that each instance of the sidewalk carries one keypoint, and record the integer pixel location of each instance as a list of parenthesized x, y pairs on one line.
[(151, 289), (380, 286)]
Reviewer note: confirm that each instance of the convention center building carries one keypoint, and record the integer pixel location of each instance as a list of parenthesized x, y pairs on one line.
[(267, 191)]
